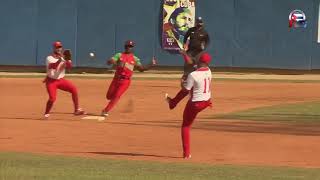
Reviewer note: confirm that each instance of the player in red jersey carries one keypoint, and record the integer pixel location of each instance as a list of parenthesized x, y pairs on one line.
[(125, 63)]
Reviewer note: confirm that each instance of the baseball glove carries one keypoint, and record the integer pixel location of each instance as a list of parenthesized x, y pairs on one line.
[(67, 54)]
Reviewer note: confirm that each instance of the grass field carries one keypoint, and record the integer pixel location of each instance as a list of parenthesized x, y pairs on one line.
[(307, 112), (21, 166)]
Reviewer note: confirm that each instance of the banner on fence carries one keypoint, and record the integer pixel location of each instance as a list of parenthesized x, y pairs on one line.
[(178, 17)]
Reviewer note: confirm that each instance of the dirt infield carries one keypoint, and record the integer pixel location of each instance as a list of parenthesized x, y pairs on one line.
[(142, 128)]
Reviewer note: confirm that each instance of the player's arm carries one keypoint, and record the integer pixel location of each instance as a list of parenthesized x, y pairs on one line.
[(185, 39), (186, 57), (61, 65), (53, 64), (206, 39), (186, 36), (65, 61), (64, 65), (114, 59), (141, 67)]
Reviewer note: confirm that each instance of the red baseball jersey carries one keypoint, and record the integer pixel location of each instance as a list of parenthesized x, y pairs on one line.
[(125, 64)]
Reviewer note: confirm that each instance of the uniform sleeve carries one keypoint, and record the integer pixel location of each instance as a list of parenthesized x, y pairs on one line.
[(190, 82), (116, 57), (52, 63), (137, 60), (50, 60)]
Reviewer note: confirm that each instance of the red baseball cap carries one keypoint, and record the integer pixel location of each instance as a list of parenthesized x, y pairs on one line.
[(205, 58), (57, 44)]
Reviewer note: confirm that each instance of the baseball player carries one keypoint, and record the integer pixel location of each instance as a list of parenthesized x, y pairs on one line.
[(199, 39), (198, 84), (56, 64), (125, 63)]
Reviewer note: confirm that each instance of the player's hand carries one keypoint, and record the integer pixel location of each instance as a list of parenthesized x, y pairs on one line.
[(62, 65), (62, 60), (203, 46), (110, 62), (185, 47), (183, 52)]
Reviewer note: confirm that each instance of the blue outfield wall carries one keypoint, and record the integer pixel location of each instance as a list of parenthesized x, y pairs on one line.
[(244, 33)]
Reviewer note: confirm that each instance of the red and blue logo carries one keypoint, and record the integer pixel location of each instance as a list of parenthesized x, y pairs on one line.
[(297, 19)]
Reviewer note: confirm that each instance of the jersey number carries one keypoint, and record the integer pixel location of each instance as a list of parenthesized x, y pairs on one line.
[(206, 85)]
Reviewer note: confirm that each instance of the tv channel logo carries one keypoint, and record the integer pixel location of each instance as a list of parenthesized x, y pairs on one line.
[(297, 19)]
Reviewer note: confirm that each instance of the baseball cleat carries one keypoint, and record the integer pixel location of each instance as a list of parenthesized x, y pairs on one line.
[(46, 116), (103, 117), (168, 100), (166, 96), (79, 112), (187, 157), (104, 114)]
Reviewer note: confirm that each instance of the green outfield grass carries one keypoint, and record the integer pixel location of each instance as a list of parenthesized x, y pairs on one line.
[(299, 112), (20, 166)]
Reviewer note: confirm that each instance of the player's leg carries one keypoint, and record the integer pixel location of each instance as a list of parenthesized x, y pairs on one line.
[(121, 87), (51, 86), (179, 96), (190, 112), (112, 89), (173, 102), (67, 86)]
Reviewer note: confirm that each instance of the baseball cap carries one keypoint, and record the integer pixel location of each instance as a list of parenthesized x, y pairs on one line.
[(57, 44), (199, 21), (205, 58), (129, 43)]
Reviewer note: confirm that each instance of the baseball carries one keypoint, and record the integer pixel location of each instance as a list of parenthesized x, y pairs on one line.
[(91, 54)]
